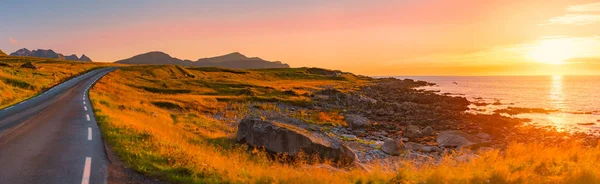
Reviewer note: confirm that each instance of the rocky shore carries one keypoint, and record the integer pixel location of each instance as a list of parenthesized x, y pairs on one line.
[(386, 121)]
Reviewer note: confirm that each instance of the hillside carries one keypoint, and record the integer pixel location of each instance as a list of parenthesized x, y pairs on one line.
[(19, 80), (183, 125), (41, 53), (233, 60), (2, 53)]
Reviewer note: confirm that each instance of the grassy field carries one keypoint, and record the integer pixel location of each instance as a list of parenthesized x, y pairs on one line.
[(178, 124), (18, 84)]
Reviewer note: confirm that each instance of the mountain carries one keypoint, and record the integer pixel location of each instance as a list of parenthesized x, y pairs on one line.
[(233, 60), (85, 58), (155, 58), (2, 53), (49, 54)]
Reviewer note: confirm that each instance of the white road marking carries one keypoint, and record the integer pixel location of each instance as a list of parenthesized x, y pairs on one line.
[(85, 107), (88, 117), (83, 102), (9, 107), (86, 171), (89, 133)]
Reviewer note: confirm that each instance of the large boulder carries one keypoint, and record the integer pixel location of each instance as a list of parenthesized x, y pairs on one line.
[(412, 131), (454, 138), (356, 121), (288, 139), (393, 146)]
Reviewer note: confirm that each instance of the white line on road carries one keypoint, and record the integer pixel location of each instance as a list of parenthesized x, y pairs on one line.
[(86, 171), (85, 107), (89, 133), (83, 102), (88, 117)]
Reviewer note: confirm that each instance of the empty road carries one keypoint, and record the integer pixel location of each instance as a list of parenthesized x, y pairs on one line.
[(54, 138)]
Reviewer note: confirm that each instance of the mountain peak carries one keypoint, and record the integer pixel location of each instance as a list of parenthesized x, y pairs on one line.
[(231, 60), (46, 54)]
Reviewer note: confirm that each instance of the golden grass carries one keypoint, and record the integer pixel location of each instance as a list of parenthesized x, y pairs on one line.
[(192, 144), (18, 84)]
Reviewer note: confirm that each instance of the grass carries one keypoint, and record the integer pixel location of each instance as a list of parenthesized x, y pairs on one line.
[(189, 137), (18, 84)]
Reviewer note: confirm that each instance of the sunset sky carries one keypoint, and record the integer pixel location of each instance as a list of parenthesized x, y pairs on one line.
[(379, 37)]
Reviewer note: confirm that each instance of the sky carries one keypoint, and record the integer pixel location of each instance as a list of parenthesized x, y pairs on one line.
[(377, 37)]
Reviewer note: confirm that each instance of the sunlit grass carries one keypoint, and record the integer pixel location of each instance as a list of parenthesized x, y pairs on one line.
[(18, 84)]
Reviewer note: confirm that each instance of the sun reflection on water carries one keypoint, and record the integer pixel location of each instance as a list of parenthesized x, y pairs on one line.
[(557, 97)]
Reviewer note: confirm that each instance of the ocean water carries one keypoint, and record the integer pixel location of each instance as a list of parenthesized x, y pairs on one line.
[(576, 99)]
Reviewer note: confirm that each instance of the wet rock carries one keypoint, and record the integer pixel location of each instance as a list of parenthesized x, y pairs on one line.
[(393, 146), (412, 131), (29, 65), (288, 139), (356, 121), (428, 131), (454, 138)]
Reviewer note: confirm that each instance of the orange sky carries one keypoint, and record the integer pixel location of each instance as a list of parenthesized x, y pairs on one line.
[(465, 37)]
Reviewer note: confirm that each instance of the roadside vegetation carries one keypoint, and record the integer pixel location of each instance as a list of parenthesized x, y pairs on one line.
[(24, 77), (179, 125)]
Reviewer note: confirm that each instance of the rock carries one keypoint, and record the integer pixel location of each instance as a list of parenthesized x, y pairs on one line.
[(393, 147), (29, 65), (484, 136), (368, 99), (412, 131), (428, 131), (466, 157), (356, 121), (454, 138), (348, 136), (419, 157), (422, 148), (288, 139)]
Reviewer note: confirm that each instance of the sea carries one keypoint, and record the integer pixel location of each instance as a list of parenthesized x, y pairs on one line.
[(573, 100)]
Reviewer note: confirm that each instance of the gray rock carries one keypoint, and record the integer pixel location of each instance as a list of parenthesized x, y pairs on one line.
[(356, 121), (484, 136), (289, 139), (454, 138), (412, 131), (422, 148), (393, 146), (348, 136), (428, 131)]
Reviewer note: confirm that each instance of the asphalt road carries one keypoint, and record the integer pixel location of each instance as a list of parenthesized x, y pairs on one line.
[(54, 138)]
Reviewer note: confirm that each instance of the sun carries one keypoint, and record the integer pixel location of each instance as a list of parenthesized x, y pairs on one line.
[(554, 51)]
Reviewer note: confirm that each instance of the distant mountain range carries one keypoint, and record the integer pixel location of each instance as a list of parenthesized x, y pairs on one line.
[(233, 60), (49, 54), (2, 53)]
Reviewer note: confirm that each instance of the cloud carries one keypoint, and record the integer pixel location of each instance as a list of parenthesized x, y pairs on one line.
[(576, 19), (13, 42), (591, 7), (584, 14)]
